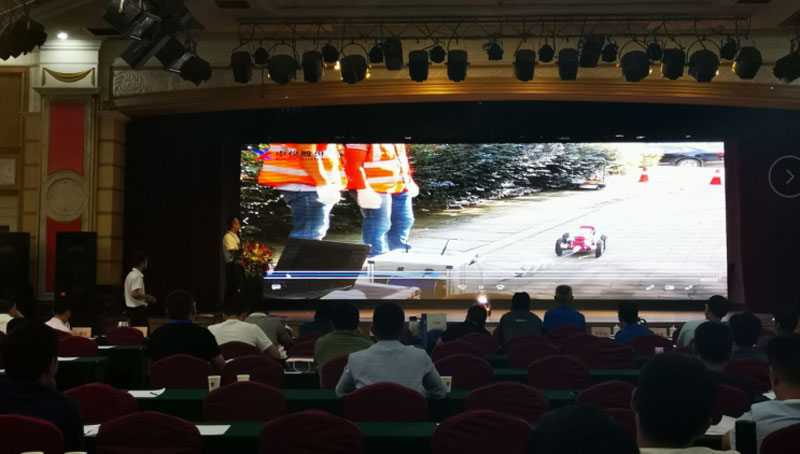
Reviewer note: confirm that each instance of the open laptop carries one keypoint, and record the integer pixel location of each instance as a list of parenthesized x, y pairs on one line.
[(310, 269)]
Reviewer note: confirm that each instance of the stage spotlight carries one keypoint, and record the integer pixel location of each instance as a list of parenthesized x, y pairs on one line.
[(170, 54), (418, 65), (703, 65), (282, 68), (196, 70), (242, 64), (353, 68), (138, 52), (457, 65), (728, 49), (591, 48), (313, 66), (493, 51), (672, 63), (787, 68), (567, 64), (635, 65), (376, 54), (747, 63), (393, 54), (121, 19), (21, 37), (437, 54), (524, 64), (329, 53), (609, 54), (654, 51), (546, 53), (261, 56)]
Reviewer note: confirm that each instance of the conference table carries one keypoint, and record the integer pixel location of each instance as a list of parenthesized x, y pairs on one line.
[(74, 372), (501, 361), (127, 366)]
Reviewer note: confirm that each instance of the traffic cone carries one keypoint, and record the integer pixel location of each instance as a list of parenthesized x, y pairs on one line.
[(644, 178), (716, 179)]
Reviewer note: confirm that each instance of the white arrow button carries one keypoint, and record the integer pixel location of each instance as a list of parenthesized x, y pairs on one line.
[(791, 176)]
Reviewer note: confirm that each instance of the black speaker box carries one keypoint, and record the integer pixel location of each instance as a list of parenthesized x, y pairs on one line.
[(76, 265), (14, 250)]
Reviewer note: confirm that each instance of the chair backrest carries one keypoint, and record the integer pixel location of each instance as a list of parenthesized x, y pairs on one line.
[(331, 372), (301, 349), (290, 433), (454, 348), (626, 417), (752, 370), (731, 402), (610, 355), (468, 371), (521, 355), (62, 334), (778, 441), (578, 344), (486, 343), (312, 337), (385, 402), (481, 432), (125, 335), (512, 398), (260, 368), (100, 402), (148, 432), (180, 371), (646, 345), (559, 333), (244, 401), (609, 394), (524, 339), (559, 372), (28, 434), (235, 349), (77, 346)]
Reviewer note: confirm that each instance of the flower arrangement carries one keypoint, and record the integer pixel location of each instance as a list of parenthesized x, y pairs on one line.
[(256, 259)]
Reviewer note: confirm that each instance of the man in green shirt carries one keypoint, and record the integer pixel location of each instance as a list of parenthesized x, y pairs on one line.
[(346, 337)]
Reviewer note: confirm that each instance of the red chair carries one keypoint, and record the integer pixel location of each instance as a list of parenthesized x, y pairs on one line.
[(578, 344), (180, 371), (752, 370), (559, 372), (512, 398), (560, 333), (100, 402), (385, 402), (522, 355), (610, 355), (731, 402), (646, 345), (332, 371), (454, 348), (28, 434), (486, 343), (626, 417), (308, 338), (301, 349), (468, 371), (481, 432), (290, 434), (235, 349), (609, 394), (77, 346), (778, 441), (244, 401), (524, 339), (260, 368), (125, 335), (62, 334), (148, 432)]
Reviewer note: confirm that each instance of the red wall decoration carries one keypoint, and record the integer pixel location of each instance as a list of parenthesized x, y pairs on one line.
[(66, 137)]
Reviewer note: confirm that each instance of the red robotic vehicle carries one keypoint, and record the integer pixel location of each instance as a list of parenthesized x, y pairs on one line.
[(586, 239)]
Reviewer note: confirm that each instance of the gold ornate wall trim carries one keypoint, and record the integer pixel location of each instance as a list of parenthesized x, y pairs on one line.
[(68, 78)]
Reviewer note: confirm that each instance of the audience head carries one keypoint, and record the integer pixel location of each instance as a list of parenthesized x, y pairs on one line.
[(521, 302), (7, 307), (716, 308), (234, 308), (30, 353), (233, 224), (580, 429), (784, 364), (746, 329), (674, 401), (62, 309), (628, 313), (713, 343), (477, 314), (140, 260), (180, 305), (786, 320), (345, 317), (564, 294), (387, 321), (324, 311)]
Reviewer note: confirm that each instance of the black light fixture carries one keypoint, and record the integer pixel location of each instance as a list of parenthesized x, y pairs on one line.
[(654, 51), (703, 65), (313, 66), (609, 54), (728, 49), (242, 65), (393, 54), (196, 70), (591, 48), (376, 54), (673, 63), (261, 56), (787, 68), (567, 64), (418, 65), (546, 53), (747, 63), (353, 68), (635, 65), (437, 54), (330, 54), (493, 50), (21, 37), (282, 68), (457, 65), (524, 64)]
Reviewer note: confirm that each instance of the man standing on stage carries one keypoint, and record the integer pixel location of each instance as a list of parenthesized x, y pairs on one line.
[(231, 250), (381, 177), (310, 178), (136, 299)]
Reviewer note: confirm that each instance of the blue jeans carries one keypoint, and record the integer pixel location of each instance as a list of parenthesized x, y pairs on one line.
[(310, 219), (386, 228)]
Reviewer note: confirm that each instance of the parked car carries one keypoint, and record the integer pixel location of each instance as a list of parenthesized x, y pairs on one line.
[(692, 157), (586, 239)]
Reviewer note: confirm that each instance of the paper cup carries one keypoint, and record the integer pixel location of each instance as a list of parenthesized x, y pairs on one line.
[(214, 382), (659, 350), (448, 382), (243, 377)]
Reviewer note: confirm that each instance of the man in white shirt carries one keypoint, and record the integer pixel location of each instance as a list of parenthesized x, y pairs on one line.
[(61, 315), (136, 299), (784, 373), (8, 311), (716, 309), (231, 250), (235, 329)]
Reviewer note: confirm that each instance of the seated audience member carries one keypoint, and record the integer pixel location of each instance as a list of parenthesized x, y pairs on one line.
[(713, 344), (564, 314), (8, 311), (14, 323), (632, 326), (772, 415), (391, 361), (346, 338), (599, 433), (61, 315), (746, 329), (785, 321), (181, 336), (322, 320), (30, 354), (673, 404), (474, 323), (716, 309), (519, 320), (272, 326), (234, 329)]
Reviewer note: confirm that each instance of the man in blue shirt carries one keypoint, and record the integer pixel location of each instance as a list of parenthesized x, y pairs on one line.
[(563, 314), (628, 314)]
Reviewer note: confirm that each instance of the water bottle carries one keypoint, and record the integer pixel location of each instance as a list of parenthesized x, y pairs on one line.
[(615, 330), (671, 331)]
